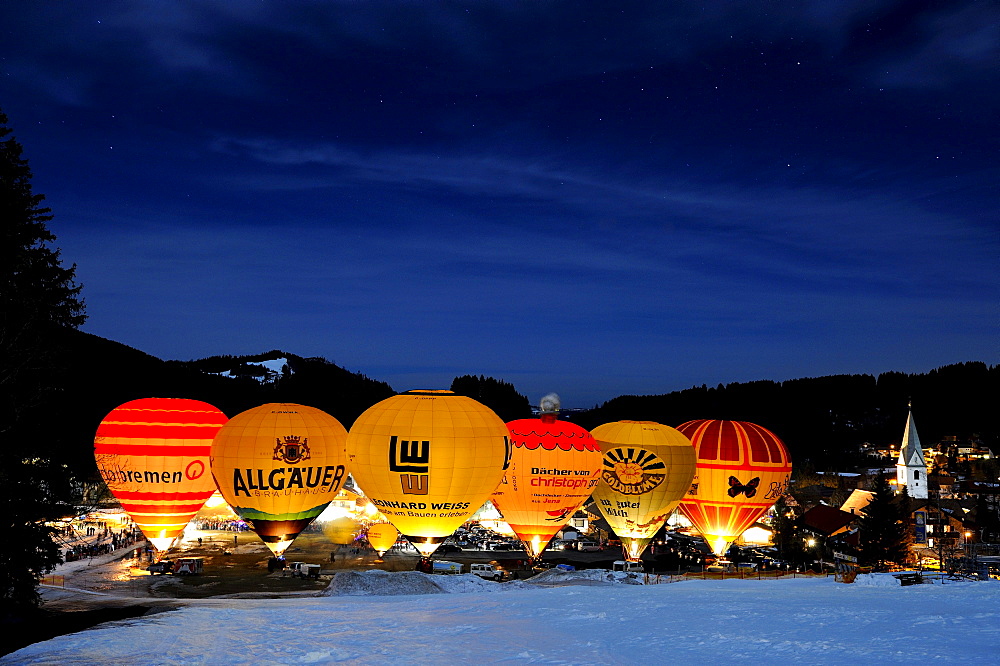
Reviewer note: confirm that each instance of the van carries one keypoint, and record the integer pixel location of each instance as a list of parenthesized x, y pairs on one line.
[(304, 570), (588, 546), (487, 571), (627, 567)]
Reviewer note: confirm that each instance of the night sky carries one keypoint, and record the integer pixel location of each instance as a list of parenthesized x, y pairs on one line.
[(591, 198)]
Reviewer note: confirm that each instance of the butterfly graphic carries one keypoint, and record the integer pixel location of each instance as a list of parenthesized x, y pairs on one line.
[(750, 489)]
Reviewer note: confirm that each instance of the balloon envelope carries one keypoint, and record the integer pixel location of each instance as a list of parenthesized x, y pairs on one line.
[(153, 453), (742, 471), (646, 469), (341, 531), (279, 465), (554, 467), (382, 537), (428, 460)]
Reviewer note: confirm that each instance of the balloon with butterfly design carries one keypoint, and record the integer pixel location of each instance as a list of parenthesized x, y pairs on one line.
[(646, 469), (743, 469)]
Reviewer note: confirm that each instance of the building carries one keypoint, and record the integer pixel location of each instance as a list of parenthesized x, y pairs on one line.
[(911, 468)]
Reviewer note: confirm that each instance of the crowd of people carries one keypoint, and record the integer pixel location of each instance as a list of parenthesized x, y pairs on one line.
[(224, 525), (90, 538)]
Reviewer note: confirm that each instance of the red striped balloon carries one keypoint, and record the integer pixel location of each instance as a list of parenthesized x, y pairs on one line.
[(153, 454), (742, 470)]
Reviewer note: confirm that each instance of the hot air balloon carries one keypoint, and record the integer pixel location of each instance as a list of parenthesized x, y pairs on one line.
[(153, 454), (428, 460), (555, 466), (382, 537), (742, 471), (341, 531), (279, 465), (647, 468)]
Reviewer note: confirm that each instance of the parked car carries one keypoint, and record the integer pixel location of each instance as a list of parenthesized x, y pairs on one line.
[(446, 548), (161, 567), (488, 571), (588, 546)]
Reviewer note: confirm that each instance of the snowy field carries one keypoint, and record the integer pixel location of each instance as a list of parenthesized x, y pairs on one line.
[(378, 618)]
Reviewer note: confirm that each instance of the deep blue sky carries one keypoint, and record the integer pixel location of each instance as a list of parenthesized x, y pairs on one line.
[(591, 198)]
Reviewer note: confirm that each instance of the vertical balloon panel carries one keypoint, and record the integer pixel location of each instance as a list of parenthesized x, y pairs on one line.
[(743, 469), (153, 453), (278, 466), (428, 460), (555, 466)]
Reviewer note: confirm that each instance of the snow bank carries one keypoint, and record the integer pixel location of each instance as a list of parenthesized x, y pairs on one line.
[(876, 580), (585, 577), (385, 583)]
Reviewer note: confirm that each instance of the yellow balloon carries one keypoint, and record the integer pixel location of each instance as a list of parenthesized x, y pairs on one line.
[(278, 466), (428, 460), (341, 530), (555, 466), (647, 468), (382, 537)]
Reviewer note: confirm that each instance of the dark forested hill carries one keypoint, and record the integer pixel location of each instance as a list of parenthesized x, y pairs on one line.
[(94, 375), (824, 419)]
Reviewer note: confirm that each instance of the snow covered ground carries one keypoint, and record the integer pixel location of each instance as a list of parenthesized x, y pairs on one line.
[(377, 618)]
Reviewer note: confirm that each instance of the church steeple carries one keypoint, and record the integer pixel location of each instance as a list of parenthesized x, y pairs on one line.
[(911, 468)]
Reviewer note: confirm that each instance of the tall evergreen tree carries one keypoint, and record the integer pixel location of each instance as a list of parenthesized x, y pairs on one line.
[(37, 297), (884, 529)]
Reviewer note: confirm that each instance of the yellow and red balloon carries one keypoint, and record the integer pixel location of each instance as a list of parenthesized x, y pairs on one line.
[(428, 460), (743, 469), (555, 466), (153, 454), (279, 465)]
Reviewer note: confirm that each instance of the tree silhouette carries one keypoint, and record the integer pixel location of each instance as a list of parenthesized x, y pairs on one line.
[(884, 530), (38, 297)]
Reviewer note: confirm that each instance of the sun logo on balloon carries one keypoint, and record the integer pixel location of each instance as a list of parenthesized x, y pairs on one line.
[(633, 471)]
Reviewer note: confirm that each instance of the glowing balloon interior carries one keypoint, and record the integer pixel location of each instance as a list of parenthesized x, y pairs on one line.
[(742, 470), (279, 465), (153, 454), (341, 531), (428, 460), (554, 467), (382, 537), (646, 469)]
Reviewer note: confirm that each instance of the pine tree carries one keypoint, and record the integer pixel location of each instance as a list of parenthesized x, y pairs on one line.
[(884, 528), (38, 296)]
